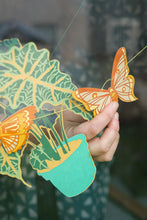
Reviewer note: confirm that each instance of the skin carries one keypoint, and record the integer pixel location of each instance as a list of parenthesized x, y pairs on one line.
[(103, 148)]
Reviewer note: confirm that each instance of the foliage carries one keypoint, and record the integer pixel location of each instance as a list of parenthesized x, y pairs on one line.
[(29, 77)]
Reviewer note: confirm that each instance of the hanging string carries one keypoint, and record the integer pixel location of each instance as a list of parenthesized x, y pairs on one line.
[(62, 37), (81, 105), (127, 63), (68, 27), (137, 54)]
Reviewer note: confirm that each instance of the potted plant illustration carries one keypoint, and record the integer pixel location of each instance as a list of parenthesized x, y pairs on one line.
[(67, 164), (29, 78)]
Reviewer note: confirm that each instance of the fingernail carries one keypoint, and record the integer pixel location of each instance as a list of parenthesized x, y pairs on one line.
[(115, 105), (116, 116)]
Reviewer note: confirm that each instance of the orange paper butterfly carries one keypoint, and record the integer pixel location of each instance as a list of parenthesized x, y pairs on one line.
[(122, 86), (14, 129)]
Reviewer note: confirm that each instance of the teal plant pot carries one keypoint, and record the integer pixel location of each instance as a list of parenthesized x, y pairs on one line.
[(76, 173)]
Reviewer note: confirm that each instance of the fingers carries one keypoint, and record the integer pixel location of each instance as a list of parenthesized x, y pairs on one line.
[(103, 149), (91, 128), (110, 134), (108, 156), (114, 123)]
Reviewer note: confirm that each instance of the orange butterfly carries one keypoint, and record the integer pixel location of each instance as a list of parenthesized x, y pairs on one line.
[(14, 129), (122, 86)]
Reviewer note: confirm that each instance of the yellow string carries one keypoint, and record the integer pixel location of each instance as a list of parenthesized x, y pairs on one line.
[(56, 112)]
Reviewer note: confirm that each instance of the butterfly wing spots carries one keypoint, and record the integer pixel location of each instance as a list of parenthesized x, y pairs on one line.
[(120, 67), (92, 98), (125, 89), (121, 82), (82, 95)]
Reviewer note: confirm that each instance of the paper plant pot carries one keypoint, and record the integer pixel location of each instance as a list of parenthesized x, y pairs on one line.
[(76, 173)]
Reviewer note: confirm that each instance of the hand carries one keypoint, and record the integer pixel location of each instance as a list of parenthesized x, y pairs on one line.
[(103, 148)]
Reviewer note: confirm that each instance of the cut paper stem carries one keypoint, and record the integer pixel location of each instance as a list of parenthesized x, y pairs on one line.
[(48, 124), (62, 129), (74, 173)]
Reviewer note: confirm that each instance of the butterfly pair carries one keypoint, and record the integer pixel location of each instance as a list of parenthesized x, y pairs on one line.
[(14, 130), (122, 87)]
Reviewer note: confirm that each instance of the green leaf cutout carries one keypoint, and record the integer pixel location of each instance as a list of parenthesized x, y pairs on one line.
[(10, 164), (32, 79), (38, 157), (6, 45), (28, 77), (45, 151)]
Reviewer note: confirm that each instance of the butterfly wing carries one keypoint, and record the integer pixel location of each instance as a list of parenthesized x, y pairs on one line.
[(14, 130), (92, 98), (13, 143), (120, 80)]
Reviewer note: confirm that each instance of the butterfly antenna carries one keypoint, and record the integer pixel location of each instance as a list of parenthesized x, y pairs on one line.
[(105, 83)]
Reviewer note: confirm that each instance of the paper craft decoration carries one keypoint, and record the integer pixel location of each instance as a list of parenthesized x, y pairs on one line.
[(14, 130), (71, 169), (122, 87), (31, 89), (31, 86)]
